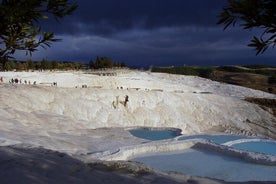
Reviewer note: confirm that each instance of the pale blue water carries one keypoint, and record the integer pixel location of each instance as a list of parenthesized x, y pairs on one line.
[(219, 139), (210, 164), (260, 147), (154, 134)]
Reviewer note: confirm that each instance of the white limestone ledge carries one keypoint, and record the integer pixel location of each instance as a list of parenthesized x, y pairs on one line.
[(126, 153), (258, 158)]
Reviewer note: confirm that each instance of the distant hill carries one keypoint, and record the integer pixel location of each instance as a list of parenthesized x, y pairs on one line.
[(260, 77)]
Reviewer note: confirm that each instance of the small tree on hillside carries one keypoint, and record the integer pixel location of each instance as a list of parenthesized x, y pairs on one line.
[(29, 64), (91, 64), (54, 65), (45, 64), (10, 65)]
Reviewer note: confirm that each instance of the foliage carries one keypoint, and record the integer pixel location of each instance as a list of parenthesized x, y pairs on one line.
[(186, 70), (267, 72), (263, 78), (45, 65), (231, 69), (251, 14), (258, 66), (104, 62), (272, 79), (41, 65), (101, 62), (207, 72), (29, 65), (19, 27), (10, 65), (255, 69)]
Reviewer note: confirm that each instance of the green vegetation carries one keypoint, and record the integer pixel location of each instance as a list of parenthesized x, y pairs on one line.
[(41, 65), (101, 62), (261, 77), (254, 69), (205, 72), (251, 14), (258, 66), (104, 62), (272, 80), (20, 29), (19, 23)]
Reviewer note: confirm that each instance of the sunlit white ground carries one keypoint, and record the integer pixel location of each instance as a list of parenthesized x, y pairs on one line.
[(83, 121)]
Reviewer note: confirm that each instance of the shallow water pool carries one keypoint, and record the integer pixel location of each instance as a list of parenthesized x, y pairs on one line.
[(154, 134), (260, 147), (204, 163), (209, 164)]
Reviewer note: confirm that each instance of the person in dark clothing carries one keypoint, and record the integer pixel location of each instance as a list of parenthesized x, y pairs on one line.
[(126, 100)]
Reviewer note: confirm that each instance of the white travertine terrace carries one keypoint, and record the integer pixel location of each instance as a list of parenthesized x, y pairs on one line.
[(91, 123)]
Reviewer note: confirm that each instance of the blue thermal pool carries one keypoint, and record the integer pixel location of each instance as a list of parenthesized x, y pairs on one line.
[(212, 164), (197, 162), (155, 134), (260, 147)]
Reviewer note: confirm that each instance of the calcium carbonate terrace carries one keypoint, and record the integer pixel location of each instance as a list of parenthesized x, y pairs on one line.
[(191, 154), (93, 123)]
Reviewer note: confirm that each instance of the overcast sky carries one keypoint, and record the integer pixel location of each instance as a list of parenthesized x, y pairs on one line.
[(151, 32)]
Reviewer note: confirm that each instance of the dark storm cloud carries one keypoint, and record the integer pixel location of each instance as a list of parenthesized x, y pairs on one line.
[(150, 13), (150, 32), (109, 16), (164, 46)]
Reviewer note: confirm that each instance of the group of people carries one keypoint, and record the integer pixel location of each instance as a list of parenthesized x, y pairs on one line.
[(115, 103), (19, 81), (16, 81)]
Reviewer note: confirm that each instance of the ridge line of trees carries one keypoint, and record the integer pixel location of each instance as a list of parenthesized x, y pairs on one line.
[(99, 63), (11, 65)]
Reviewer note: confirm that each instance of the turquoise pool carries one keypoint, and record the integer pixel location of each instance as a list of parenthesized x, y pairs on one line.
[(268, 147), (254, 144), (154, 134), (262, 146), (203, 163), (197, 162)]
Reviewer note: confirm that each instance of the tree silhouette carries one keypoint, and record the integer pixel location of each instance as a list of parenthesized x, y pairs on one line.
[(19, 27), (251, 14)]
